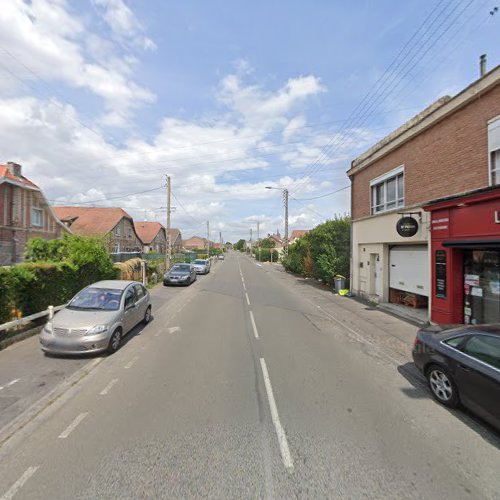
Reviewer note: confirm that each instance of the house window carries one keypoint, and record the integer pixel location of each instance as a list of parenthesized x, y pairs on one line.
[(387, 191), (117, 231), (495, 167), (36, 217), (116, 248)]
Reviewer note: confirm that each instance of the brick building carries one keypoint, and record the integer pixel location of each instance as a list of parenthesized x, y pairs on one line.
[(24, 214), (448, 150), (175, 240), (195, 243), (113, 224), (152, 235)]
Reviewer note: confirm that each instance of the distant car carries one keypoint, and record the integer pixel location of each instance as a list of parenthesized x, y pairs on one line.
[(220, 256), (180, 274), (462, 365), (97, 318), (201, 266)]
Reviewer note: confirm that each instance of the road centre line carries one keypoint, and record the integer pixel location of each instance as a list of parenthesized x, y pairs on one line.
[(12, 382), (131, 362), (19, 483), (254, 326), (280, 432), (246, 296), (108, 387), (71, 427)]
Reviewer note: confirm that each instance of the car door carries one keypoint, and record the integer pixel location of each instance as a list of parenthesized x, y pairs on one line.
[(130, 309), (141, 302), (478, 376)]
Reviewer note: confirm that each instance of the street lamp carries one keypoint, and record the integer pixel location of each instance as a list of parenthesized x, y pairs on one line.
[(285, 202)]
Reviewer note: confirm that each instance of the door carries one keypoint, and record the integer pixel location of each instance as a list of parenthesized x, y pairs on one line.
[(141, 302), (130, 310), (409, 269), (478, 376)]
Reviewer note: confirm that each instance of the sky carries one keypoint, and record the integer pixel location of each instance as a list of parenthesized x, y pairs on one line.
[(101, 99)]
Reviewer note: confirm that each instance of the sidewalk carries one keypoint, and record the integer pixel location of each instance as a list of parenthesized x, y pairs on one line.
[(371, 324)]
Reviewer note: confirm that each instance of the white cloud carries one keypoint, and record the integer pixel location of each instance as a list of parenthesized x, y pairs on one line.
[(124, 24)]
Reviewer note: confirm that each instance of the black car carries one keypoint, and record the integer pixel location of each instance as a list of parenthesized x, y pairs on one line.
[(462, 365), (180, 274)]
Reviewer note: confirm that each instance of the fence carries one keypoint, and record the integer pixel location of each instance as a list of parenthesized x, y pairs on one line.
[(23, 321)]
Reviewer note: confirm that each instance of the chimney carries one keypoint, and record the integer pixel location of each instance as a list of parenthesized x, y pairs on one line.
[(482, 65), (14, 168)]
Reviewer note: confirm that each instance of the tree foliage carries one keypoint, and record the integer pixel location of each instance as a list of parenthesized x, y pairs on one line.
[(324, 252), (239, 245), (267, 243)]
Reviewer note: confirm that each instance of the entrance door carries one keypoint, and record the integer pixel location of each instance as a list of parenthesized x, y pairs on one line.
[(481, 286), (376, 275)]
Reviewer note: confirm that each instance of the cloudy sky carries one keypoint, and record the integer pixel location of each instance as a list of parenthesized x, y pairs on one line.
[(100, 99)]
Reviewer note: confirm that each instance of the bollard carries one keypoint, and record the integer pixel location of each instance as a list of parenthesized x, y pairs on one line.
[(51, 312)]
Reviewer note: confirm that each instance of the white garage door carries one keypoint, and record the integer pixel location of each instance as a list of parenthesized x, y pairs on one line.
[(409, 269)]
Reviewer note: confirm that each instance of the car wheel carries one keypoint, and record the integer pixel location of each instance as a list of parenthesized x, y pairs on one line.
[(443, 386), (114, 341), (147, 316)]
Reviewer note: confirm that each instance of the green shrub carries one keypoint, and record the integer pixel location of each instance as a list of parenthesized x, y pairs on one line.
[(6, 299)]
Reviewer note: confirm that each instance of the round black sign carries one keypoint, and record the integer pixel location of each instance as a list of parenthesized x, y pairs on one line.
[(407, 227)]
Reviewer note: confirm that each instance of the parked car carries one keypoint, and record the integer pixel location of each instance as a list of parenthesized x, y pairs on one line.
[(97, 318), (201, 266), (220, 256), (180, 274), (462, 365)]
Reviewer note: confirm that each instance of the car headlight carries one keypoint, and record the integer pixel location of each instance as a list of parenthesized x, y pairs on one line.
[(49, 327), (97, 329), (185, 277)]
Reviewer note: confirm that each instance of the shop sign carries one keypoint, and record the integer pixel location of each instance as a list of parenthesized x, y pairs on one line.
[(440, 274), (407, 227), (471, 279)]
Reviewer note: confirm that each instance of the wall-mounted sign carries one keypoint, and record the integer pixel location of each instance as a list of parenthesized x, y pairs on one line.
[(407, 227), (440, 274)]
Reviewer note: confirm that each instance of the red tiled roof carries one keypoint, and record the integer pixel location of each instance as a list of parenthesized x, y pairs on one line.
[(174, 233), (298, 233), (6, 174), (89, 221), (147, 231)]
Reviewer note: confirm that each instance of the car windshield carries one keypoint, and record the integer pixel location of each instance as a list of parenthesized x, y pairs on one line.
[(102, 299), (181, 268), (200, 262)]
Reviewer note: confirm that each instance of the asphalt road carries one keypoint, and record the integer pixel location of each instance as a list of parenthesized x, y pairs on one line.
[(242, 388)]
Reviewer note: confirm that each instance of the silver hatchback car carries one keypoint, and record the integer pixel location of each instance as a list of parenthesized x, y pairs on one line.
[(97, 318)]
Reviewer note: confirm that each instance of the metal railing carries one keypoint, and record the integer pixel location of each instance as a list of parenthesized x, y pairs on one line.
[(23, 321)]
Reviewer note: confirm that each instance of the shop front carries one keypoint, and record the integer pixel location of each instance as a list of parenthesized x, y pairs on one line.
[(465, 258)]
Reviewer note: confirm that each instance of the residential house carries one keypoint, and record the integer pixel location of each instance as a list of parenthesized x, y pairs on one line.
[(297, 234), (426, 210), (279, 242), (175, 240), (113, 224), (24, 214), (152, 235), (195, 243)]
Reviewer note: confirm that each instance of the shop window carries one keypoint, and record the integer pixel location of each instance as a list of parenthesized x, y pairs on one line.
[(387, 191), (481, 286), (494, 150)]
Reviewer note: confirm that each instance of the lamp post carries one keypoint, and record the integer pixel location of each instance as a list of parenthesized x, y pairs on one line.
[(285, 202)]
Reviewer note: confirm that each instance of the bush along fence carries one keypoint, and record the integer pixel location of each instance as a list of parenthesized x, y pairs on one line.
[(54, 272), (323, 253)]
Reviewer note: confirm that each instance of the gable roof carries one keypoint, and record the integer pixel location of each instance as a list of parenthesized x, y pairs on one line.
[(298, 233), (147, 231), (89, 221), (174, 233), (21, 181)]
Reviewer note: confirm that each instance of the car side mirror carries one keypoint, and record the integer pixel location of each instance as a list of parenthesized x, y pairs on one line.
[(129, 306)]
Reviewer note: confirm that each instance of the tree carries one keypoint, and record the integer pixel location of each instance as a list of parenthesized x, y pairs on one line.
[(267, 243), (240, 245)]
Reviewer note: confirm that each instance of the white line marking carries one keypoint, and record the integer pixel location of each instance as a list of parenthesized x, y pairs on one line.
[(255, 332), (246, 296), (108, 387), (12, 382), (19, 483), (72, 426), (174, 329), (285, 450), (244, 287), (260, 265), (131, 362)]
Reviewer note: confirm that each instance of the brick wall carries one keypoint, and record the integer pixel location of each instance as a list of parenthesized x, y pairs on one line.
[(449, 158)]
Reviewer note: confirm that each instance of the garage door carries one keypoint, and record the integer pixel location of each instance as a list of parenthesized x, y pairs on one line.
[(409, 269)]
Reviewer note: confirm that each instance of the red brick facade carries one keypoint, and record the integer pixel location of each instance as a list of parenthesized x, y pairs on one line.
[(450, 157)]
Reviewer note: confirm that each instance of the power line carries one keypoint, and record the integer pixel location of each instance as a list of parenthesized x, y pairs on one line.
[(323, 195)]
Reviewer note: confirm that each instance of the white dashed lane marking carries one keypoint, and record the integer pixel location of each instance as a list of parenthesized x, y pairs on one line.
[(131, 362), (108, 387), (71, 427), (11, 383), (19, 484), (254, 326)]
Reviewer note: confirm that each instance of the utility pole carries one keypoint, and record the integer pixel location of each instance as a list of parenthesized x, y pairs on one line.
[(251, 240), (208, 239), (168, 253), (220, 238), (285, 201), (258, 239)]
